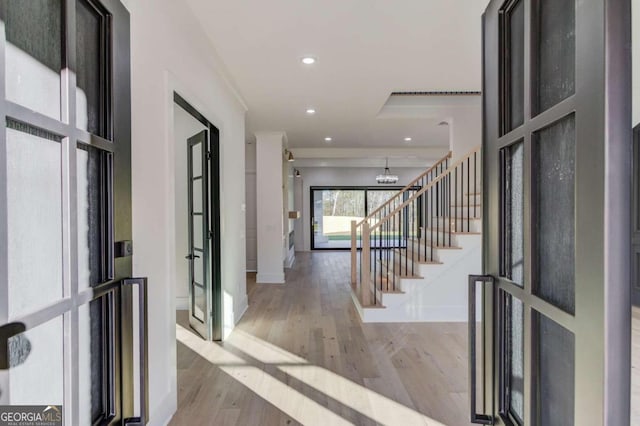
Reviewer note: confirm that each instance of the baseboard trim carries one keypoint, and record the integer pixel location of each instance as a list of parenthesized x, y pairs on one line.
[(182, 303), (270, 278), (163, 413), (243, 309), (290, 261)]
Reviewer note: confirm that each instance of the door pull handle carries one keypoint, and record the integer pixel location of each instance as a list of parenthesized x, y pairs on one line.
[(192, 256), (478, 418)]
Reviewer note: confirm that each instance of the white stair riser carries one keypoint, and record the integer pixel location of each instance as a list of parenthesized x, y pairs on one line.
[(472, 225), (465, 211)]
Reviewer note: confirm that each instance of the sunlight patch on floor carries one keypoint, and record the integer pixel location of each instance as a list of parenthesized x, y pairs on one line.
[(303, 409)]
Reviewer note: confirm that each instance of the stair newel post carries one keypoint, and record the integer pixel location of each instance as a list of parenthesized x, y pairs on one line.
[(354, 252), (365, 265)]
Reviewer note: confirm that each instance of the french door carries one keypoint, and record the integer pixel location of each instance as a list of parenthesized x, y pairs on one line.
[(200, 292), (550, 320), (66, 297), (203, 225)]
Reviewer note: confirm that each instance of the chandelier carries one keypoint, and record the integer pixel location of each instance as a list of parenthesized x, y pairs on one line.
[(386, 177)]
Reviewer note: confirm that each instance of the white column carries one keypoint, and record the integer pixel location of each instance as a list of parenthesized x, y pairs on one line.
[(269, 206)]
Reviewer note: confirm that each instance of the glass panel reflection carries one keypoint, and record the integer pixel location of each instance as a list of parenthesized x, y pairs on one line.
[(34, 208), (197, 204), (554, 361), (33, 52), (91, 360), (91, 72), (199, 303), (196, 158), (516, 370), (556, 51), (512, 200), (36, 359), (554, 152), (90, 217), (516, 65)]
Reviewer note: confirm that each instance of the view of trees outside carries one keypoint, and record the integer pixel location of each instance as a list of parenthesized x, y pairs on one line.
[(336, 208), (341, 202), (376, 198)]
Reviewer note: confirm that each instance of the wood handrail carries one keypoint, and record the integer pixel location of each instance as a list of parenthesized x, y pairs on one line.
[(424, 189), (406, 188)]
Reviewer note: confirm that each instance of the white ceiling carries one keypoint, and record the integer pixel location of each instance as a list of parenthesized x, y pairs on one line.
[(366, 49)]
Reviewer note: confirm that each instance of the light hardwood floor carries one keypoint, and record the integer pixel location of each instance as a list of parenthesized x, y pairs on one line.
[(300, 355)]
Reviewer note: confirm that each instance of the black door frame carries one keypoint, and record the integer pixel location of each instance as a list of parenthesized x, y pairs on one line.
[(214, 213), (635, 220)]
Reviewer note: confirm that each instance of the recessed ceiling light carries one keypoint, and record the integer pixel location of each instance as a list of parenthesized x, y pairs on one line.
[(443, 123), (328, 139), (311, 111), (407, 139), (308, 60)]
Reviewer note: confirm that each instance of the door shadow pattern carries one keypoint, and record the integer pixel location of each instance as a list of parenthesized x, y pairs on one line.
[(303, 393)]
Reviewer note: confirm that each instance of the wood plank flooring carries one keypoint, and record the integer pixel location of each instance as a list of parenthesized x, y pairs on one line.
[(300, 355)]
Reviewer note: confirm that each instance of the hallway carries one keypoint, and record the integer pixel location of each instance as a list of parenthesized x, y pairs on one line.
[(300, 355)]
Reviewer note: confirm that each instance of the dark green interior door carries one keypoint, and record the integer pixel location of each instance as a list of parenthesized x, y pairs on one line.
[(200, 306), (555, 307)]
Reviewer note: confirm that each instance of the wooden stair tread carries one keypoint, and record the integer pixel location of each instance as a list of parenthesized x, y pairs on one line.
[(398, 267), (453, 232), (420, 241), (420, 261)]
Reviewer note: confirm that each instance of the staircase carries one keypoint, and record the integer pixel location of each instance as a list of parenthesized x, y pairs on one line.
[(410, 258)]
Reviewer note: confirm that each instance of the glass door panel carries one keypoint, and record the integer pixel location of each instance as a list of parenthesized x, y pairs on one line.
[(36, 361), (555, 216), (34, 52), (200, 289), (333, 211), (34, 214)]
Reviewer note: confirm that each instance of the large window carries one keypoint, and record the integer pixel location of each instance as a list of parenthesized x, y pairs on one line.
[(333, 209)]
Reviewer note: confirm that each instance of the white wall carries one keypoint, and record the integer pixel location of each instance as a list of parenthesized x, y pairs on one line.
[(184, 126), (170, 52), (465, 131), (252, 225), (635, 45), (270, 206), (341, 176)]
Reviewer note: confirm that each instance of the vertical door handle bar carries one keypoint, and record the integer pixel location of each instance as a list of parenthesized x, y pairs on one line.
[(483, 419)]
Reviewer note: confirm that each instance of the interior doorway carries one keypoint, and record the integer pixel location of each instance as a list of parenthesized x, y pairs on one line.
[(197, 213)]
